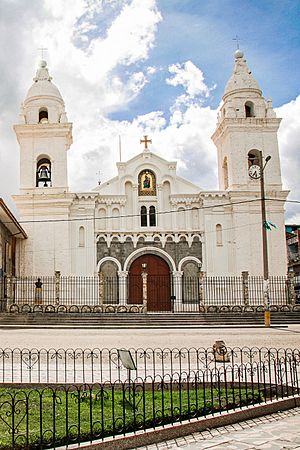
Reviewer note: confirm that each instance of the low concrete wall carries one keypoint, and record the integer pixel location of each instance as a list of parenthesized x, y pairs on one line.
[(173, 431)]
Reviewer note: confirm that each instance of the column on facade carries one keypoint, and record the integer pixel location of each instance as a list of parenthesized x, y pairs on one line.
[(174, 215), (188, 215), (109, 219), (159, 202), (135, 210), (122, 216), (177, 283), (123, 275)]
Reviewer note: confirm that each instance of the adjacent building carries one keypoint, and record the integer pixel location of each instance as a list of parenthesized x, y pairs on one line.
[(12, 237)]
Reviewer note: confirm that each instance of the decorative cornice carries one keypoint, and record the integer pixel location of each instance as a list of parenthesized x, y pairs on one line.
[(148, 237), (246, 124), (44, 130)]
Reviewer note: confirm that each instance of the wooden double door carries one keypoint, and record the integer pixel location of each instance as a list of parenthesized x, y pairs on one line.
[(158, 283)]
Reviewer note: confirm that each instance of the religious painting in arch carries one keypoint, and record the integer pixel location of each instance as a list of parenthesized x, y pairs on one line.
[(147, 183), (158, 282)]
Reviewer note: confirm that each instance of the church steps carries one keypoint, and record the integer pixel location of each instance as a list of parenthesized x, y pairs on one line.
[(144, 321)]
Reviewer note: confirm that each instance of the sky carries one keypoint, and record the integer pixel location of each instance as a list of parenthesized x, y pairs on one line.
[(159, 67)]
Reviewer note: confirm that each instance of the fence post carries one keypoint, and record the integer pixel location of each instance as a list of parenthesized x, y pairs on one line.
[(122, 274), (201, 277), (9, 290), (178, 291), (245, 281), (101, 287), (291, 288), (144, 278), (57, 286)]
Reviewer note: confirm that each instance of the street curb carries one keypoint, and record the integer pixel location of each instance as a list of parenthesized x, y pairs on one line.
[(176, 430)]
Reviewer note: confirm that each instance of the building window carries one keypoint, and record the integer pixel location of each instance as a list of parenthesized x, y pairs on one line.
[(43, 173), (219, 237), (249, 109), (81, 237), (152, 216), (143, 216), (43, 115)]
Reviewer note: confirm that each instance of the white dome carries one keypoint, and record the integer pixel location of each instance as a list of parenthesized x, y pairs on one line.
[(242, 78), (43, 86)]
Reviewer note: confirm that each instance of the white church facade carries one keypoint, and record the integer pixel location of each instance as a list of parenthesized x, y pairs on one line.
[(147, 216)]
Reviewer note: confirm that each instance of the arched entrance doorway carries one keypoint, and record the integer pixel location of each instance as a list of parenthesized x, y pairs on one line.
[(158, 283)]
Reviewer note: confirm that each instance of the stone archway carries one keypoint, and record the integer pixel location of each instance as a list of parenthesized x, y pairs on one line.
[(158, 283)]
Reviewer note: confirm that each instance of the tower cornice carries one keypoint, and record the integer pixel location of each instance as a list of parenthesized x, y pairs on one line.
[(249, 124), (44, 130)]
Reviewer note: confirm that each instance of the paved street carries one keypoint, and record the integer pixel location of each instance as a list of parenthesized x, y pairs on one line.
[(278, 337), (277, 431)]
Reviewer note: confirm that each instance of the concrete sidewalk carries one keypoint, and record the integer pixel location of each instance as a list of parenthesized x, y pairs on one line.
[(278, 431)]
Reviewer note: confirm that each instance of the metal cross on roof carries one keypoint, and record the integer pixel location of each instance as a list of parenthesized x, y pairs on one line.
[(237, 39), (146, 141), (42, 49)]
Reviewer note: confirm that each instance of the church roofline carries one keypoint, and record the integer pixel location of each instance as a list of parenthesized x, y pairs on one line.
[(146, 156)]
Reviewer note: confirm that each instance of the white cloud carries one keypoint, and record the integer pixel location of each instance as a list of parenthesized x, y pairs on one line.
[(85, 61), (289, 144), (190, 77)]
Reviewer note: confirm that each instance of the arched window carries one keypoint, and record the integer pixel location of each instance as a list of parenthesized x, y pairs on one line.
[(181, 218), (219, 237), (43, 115), (81, 237), (115, 219), (152, 216), (143, 216), (43, 173), (249, 109), (225, 172), (253, 158)]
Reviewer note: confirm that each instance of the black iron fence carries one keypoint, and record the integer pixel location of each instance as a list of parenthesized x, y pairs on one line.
[(212, 381), (102, 365), (164, 293)]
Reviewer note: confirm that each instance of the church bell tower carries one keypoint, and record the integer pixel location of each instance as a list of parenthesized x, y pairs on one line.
[(44, 135), (246, 125)]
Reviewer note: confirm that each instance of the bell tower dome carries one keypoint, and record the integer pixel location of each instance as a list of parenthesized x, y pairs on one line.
[(44, 135), (246, 125)]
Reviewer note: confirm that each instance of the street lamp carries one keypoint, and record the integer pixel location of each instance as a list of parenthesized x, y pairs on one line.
[(258, 172), (267, 314)]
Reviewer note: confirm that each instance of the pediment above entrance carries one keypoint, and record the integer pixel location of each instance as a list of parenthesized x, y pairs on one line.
[(143, 168)]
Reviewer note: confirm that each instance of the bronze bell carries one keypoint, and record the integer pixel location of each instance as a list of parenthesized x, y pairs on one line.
[(44, 175)]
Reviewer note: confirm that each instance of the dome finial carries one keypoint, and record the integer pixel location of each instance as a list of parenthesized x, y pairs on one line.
[(43, 64), (42, 50), (238, 53)]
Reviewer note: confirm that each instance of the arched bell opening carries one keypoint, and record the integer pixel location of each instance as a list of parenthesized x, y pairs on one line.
[(253, 158), (249, 109), (43, 173), (43, 115)]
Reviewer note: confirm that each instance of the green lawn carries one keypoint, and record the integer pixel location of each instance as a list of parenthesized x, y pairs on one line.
[(37, 417)]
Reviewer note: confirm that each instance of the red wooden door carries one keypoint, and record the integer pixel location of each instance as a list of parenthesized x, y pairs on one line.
[(159, 288)]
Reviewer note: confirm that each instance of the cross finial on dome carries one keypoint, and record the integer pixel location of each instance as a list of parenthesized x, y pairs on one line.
[(237, 39), (42, 50)]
